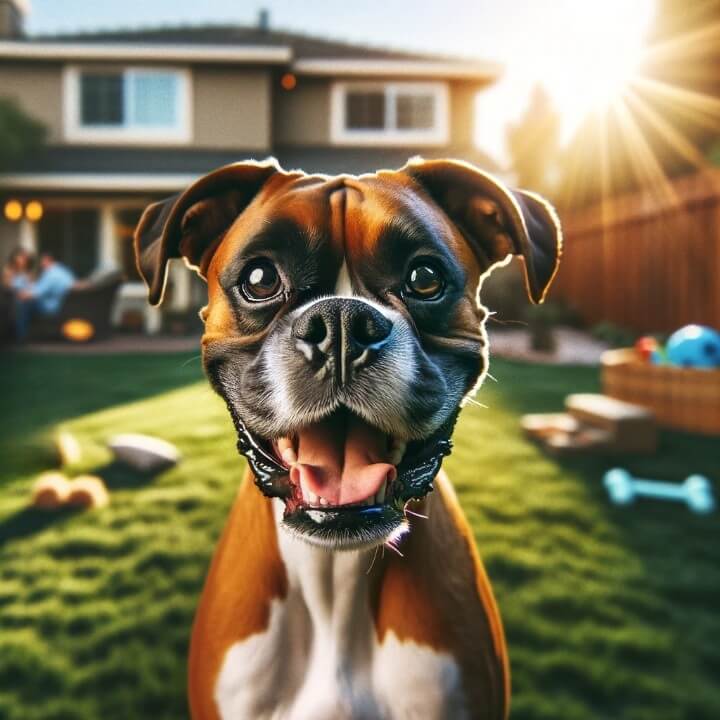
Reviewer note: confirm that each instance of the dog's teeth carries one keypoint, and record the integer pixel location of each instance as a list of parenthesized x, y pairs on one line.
[(312, 498), (323, 501), (397, 450), (380, 497), (289, 456)]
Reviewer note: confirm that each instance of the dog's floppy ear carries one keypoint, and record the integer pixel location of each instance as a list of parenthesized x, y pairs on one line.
[(495, 220), (192, 224)]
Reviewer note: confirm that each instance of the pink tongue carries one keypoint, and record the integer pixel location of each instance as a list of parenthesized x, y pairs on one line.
[(340, 459)]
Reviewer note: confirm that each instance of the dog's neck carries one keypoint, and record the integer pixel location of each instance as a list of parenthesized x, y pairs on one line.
[(333, 584)]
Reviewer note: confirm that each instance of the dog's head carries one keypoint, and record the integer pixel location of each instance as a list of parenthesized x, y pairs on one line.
[(343, 326)]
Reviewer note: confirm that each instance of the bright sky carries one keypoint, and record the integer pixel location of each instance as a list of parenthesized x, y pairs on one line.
[(581, 50)]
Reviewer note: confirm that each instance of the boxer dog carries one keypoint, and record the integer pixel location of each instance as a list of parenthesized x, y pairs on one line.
[(343, 330)]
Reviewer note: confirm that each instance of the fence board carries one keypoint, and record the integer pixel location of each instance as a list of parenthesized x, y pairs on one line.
[(647, 262)]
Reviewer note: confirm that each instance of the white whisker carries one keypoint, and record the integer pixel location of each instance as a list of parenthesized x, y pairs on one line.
[(412, 512), (475, 402), (373, 560)]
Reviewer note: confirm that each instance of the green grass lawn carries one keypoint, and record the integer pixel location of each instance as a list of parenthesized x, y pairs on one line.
[(610, 613)]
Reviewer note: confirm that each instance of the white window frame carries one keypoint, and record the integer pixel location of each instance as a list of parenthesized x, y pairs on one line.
[(340, 134), (75, 131)]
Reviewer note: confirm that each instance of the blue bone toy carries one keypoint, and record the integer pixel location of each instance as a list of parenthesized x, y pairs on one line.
[(623, 488)]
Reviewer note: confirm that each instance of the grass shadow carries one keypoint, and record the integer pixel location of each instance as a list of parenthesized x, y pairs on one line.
[(35, 400), (120, 476), (30, 521)]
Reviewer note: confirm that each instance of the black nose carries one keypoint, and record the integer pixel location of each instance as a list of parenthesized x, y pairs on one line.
[(342, 334)]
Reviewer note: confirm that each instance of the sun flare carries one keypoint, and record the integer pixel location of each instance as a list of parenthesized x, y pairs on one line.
[(595, 51)]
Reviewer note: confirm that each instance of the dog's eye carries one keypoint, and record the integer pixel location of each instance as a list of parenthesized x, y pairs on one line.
[(260, 281), (424, 281)]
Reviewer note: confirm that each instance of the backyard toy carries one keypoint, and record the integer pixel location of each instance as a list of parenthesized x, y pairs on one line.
[(53, 490), (67, 448), (87, 491), (144, 452), (623, 488), (658, 357), (646, 346), (694, 346), (50, 491), (594, 423)]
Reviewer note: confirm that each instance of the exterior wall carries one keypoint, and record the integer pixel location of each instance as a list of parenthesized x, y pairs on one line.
[(462, 113), (302, 116), (232, 108), (37, 88)]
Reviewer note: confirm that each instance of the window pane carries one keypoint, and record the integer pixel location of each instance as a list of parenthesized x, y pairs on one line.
[(365, 110), (101, 99), (154, 99), (415, 112)]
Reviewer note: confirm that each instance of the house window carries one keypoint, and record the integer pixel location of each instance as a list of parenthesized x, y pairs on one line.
[(389, 113), (127, 105)]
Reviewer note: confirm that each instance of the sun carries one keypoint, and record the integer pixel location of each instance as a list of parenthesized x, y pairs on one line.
[(593, 51)]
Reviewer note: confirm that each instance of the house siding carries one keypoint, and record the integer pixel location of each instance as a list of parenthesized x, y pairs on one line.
[(231, 108), (462, 113), (302, 115), (37, 89)]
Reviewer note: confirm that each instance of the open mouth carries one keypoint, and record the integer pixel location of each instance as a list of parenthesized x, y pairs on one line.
[(345, 483)]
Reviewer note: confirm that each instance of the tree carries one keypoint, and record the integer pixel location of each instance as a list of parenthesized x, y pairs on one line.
[(19, 134), (534, 144)]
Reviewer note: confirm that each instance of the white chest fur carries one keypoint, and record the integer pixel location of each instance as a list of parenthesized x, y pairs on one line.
[(320, 659)]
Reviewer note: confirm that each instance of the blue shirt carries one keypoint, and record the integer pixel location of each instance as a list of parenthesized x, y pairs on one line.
[(20, 282), (50, 288)]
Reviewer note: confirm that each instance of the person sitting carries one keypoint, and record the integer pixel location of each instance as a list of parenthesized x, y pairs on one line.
[(18, 270), (44, 296)]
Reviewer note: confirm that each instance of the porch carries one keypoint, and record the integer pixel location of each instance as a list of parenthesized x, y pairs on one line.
[(92, 235)]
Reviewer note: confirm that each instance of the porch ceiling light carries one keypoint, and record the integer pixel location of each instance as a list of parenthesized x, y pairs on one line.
[(34, 210), (13, 210)]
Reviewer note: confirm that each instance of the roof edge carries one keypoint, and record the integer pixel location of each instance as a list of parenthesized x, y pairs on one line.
[(172, 52), (456, 69)]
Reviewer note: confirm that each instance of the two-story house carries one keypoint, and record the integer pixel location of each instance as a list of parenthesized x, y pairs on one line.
[(133, 116)]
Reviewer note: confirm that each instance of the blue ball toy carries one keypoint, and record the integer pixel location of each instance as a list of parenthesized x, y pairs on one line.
[(694, 346)]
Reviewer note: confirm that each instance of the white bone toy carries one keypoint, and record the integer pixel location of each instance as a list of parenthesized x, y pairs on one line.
[(623, 488)]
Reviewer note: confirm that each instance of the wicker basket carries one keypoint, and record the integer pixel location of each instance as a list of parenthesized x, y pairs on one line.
[(681, 398)]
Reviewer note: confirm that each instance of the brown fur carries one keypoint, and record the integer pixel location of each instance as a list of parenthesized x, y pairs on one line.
[(438, 594), (245, 576)]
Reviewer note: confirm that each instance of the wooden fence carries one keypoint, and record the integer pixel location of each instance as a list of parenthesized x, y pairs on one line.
[(646, 261)]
